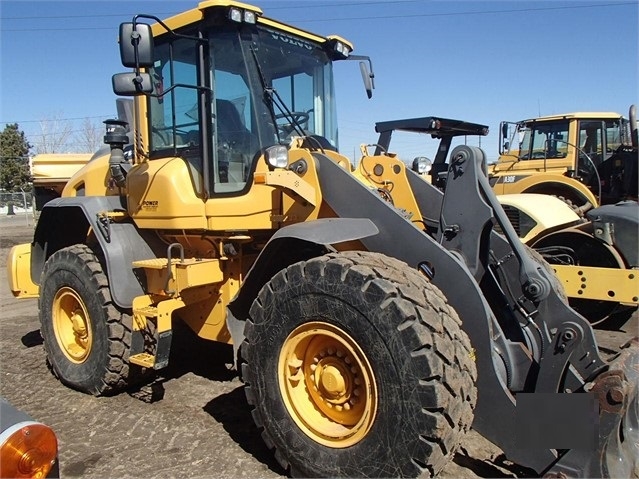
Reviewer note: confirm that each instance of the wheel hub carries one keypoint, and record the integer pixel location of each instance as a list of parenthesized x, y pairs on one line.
[(328, 384), (79, 325), (331, 381), (71, 325)]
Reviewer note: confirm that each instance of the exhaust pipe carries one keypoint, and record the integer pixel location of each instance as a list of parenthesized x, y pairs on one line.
[(634, 135), (116, 138)]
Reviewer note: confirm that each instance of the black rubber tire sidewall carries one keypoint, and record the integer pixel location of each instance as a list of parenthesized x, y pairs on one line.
[(66, 269), (396, 437)]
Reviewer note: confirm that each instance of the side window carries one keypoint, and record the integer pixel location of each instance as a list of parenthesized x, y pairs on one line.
[(549, 140), (613, 135), (174, 115), (591, 140), (236, 142)]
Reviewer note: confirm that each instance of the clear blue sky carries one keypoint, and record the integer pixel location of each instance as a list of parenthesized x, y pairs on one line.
[(478, 61)]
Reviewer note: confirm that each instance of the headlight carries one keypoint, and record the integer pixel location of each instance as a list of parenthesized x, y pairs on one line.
[(249, 17), (235, 14), (338, 48), (27, 449), (238, 15), (422, 165), (341, 49), (277, 156)]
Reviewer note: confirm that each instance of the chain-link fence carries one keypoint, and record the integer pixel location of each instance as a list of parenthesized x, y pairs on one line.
[(17, 204)]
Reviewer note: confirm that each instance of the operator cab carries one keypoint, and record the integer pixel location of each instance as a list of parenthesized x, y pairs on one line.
[(221, 90)]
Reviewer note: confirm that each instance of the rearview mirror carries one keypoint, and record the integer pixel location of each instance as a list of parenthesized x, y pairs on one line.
[(131, 84), (136, 45), (367, 74), (368, 79), (504, 137), (505, 129)]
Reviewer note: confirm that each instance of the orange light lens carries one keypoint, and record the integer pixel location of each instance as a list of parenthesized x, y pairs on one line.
[(29, 452)]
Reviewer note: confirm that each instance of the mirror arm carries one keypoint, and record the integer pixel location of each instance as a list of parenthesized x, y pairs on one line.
[(167, 28), (135, 39)]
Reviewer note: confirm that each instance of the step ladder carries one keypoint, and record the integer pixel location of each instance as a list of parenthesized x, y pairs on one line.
[(166, 278)]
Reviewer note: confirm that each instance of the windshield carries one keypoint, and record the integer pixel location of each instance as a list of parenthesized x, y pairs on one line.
[(300, 75), (267, 86), (543, 140)]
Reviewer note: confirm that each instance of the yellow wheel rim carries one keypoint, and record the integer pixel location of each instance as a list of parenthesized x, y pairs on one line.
[(71, 325), (327, 384)]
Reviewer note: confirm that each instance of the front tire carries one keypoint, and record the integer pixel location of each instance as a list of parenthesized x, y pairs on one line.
[(86, 337), (357, 366)]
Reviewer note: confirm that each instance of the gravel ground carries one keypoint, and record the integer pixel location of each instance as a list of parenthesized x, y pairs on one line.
[(201, 428)]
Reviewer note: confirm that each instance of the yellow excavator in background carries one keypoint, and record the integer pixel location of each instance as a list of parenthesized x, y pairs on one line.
[(373, 318)]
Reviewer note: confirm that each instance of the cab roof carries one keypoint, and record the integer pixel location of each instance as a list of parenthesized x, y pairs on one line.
[(197, 14), (586, 115), (435, 126)]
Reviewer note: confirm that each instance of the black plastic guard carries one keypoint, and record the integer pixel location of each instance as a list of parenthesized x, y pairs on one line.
[(66, 221)]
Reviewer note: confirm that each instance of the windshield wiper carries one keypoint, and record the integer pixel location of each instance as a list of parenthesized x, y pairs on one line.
[(274, 99)]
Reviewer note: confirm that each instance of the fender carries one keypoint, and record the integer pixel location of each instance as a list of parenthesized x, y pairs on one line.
[(289, 245), (67, 221), (545, 183)]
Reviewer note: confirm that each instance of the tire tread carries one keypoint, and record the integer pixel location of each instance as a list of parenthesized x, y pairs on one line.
[(115, 375), (428, 326)]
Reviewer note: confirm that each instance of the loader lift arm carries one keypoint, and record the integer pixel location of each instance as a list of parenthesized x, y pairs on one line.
[(565, 355)]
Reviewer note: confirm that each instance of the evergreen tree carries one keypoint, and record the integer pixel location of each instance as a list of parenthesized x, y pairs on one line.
[(14, 161)]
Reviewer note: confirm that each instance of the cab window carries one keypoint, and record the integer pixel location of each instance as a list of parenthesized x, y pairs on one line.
[(174, 115), (545, 140)]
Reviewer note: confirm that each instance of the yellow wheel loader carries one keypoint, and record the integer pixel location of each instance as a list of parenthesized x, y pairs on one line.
[(368, 340)]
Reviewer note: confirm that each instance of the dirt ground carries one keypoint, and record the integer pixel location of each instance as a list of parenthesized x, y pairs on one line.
[(201, 427)]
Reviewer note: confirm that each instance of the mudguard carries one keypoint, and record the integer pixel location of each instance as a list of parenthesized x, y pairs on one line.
[(287, 246), (66, 221), (316, 235)]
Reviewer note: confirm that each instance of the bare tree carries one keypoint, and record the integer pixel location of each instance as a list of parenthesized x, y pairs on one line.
[(54, 135), (90, 136)]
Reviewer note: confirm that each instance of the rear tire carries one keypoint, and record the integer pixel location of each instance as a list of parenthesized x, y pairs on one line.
[(579, 208), (86, 337), (357, 366)]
